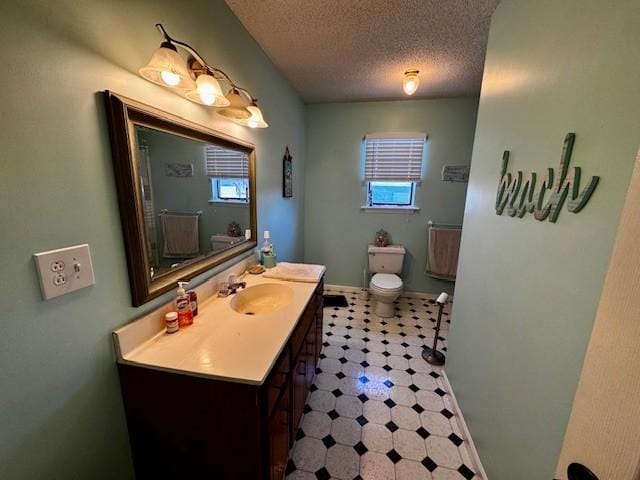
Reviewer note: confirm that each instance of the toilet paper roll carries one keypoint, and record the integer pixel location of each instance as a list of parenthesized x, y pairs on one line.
[(442, 298)]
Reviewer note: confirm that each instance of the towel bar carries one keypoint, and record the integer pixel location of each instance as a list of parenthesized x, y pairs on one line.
[(431, 223), (165, 211)]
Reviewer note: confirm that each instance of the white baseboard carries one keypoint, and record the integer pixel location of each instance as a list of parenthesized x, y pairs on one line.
[(422, 295), (478, 468)]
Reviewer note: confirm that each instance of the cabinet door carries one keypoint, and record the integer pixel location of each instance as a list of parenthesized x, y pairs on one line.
[(279, 426), (319, 340), (310, 345), (299, 390)]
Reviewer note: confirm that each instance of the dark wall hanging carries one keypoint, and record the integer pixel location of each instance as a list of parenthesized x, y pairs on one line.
[(518, 196), (287, 174)]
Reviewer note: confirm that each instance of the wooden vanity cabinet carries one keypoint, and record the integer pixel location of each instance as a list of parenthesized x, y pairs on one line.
[(189, 427)]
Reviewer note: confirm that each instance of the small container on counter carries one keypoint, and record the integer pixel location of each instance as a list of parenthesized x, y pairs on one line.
[(193, 298), (171, 322), (269, 260)]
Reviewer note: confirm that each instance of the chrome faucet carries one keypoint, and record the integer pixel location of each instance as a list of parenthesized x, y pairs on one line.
[(231, 286)]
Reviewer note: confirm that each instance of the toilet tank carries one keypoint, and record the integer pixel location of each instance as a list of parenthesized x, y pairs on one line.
[(386, 259), (221, 241)]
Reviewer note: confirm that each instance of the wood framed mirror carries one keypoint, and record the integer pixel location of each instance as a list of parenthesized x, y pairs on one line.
[(187, 195)]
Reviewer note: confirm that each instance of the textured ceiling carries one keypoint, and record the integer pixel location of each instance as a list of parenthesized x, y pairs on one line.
[(342, 50)]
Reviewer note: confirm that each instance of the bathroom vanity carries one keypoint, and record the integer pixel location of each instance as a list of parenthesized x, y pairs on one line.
[(222, 399)]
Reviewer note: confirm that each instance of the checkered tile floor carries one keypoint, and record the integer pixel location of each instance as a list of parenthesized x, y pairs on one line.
[(377, 410)]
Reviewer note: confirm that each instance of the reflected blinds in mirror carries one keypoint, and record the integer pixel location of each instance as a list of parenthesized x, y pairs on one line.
[(394, 157), (225, 163)]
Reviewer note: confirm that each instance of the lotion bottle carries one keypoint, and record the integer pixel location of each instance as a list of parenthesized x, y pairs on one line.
[(267, 246), (183, 306)]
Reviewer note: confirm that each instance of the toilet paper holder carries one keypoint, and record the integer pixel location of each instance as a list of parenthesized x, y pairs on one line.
[(431, 354)]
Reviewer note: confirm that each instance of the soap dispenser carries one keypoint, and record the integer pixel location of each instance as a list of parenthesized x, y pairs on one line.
[(267, 246), (183, 306)]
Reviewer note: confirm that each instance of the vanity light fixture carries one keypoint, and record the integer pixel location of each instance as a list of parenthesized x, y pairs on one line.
[(236, 109), (199, 82), (167, 68), (256, 120), (411, 81), (207, 92), (241, 113)]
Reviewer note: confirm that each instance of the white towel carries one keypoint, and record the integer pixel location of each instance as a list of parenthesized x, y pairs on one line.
[(296, 272)]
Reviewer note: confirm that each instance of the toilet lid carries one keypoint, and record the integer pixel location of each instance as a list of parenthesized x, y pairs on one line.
[(386, 281)]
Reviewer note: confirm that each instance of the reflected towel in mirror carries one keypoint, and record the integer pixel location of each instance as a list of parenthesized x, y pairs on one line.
[(180, 233)]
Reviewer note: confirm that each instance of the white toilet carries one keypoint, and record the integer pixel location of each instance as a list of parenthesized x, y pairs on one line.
[(386, 286)]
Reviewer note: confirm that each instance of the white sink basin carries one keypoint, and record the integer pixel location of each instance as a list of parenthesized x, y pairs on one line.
[(260, 299)]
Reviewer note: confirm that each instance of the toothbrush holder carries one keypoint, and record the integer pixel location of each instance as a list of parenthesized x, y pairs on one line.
[(269, 261)]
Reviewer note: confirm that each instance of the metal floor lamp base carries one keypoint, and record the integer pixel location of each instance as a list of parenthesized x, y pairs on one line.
[(434, 357)]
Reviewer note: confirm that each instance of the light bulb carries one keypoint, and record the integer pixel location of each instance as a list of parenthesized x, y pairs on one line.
[(207, 98), (207, 92), (170, 78), (410, 82)]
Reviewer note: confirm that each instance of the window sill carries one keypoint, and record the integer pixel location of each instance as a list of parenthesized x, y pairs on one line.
[(229, 202), (390, 209)]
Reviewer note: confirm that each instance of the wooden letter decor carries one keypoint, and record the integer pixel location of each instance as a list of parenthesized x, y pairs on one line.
[(518, 195)]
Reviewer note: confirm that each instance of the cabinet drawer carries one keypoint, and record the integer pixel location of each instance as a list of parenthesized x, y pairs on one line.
[(278, 380)]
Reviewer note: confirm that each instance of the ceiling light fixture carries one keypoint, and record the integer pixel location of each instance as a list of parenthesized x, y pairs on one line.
[(411, 81), (200, 82)]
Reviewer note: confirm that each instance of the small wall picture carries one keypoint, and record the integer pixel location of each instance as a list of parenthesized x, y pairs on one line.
[(455, 173), (179, 170), (287, 174)]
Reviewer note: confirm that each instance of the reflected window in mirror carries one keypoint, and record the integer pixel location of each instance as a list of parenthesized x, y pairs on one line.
[(231, 190), (228, 171)]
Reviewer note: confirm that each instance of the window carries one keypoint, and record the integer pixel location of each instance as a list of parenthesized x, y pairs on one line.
[(228, 172), (229, 189), (399, 194), (393, 169)]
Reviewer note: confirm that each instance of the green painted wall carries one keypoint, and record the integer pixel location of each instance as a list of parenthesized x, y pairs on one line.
[(527, 291), (61, 414), (337, 231)]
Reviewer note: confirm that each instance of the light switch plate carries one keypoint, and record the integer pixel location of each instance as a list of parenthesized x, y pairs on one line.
[(64, 270)]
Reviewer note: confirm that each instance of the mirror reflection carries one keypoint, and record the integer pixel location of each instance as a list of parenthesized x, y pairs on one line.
[(195, 198)]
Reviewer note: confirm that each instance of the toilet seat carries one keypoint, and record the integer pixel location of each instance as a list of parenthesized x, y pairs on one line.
[(386, 282)]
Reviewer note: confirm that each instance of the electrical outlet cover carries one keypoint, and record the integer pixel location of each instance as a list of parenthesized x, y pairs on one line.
[(64, 270)]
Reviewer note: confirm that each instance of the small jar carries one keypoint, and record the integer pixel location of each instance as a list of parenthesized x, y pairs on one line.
[(171, 321)]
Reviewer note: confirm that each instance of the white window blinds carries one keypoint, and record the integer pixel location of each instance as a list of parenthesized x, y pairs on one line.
[(225, 163), (394, 157)]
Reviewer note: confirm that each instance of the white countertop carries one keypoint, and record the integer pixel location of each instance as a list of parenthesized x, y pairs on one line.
[(221, 344)]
